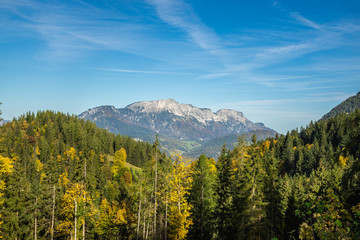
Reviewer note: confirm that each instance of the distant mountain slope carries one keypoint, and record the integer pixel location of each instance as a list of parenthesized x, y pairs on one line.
[(181, 127), (347, 106), (212, 148), (2, 122), (106, 117)]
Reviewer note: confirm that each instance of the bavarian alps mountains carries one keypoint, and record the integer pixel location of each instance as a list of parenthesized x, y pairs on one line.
[(179, 126)]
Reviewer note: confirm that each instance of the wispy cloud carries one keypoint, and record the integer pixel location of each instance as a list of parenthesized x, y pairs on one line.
[(74, 30), (313, 99), (305, 21), (286, 51), (297, 16), (214, 75), (83, 29), (276, 104), (180, 15), (135, 71), (293, 45)]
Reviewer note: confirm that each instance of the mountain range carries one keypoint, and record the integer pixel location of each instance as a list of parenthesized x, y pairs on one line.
[(182, 128)]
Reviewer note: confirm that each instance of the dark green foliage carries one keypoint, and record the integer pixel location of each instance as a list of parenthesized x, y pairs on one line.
[(212, 148), (347, 106), (225, 195), (304, 184), (40, 145), (202, 199)]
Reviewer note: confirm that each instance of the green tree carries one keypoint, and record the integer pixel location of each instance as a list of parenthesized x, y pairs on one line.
[(250, 199), (224, 189), (202, 198)]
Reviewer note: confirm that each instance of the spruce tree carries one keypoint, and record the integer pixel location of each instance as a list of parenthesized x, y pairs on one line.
[(202, 199), (224, 190)]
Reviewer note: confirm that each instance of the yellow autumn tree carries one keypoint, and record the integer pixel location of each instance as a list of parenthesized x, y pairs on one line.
[(71, 153), (72, 210), (119, 170), (6, 167), (119, 160), (343, 160), (179, 214), (112, 217)]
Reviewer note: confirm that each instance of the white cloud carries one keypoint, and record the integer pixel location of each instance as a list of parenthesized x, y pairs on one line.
[(295, 48), (135, 71), (305, 21), (180, 15), (214, 75)]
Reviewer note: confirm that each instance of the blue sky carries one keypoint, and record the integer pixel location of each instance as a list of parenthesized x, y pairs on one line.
[(283, 63)]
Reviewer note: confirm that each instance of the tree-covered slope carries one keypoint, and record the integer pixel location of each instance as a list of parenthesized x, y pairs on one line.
[(302, 185), (64, 178), (212, 148), (52, 165), (347, 106), (53, 133)]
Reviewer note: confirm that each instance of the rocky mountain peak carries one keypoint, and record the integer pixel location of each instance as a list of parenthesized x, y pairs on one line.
[(169, 118), (100, 111), (202, 115), (225, 114), (154, 106)]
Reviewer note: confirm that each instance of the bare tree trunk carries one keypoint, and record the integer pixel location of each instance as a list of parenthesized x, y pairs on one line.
[(53, 215), (155, 187), (35, 221), (75, 222), (147, 231), (84, 197), (166, 213), (144, 228), (179, 200), (202, 212), (83, 230), (138, 223), (35, 235), (17, 216)]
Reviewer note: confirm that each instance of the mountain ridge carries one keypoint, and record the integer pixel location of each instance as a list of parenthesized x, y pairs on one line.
[(347, 106), (168, 117), (172, 121)]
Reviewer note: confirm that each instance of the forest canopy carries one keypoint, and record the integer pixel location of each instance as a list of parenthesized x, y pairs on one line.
[(63, 178)]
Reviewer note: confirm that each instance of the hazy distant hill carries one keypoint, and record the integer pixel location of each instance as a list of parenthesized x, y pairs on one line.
[(181, 127), (2, 122), (347, 106), (213, 147)]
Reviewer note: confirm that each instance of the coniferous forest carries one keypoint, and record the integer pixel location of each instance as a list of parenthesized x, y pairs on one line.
[(63, 178)]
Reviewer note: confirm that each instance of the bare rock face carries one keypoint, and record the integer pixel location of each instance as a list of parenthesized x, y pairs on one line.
[(175, 120)]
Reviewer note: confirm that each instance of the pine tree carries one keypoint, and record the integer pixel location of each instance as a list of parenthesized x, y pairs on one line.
[(202, 199), (224, 190), (17, 211), (271, 193)]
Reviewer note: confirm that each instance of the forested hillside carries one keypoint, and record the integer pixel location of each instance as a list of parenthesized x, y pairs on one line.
[(347, 106), (51, 163), (63, 178)]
